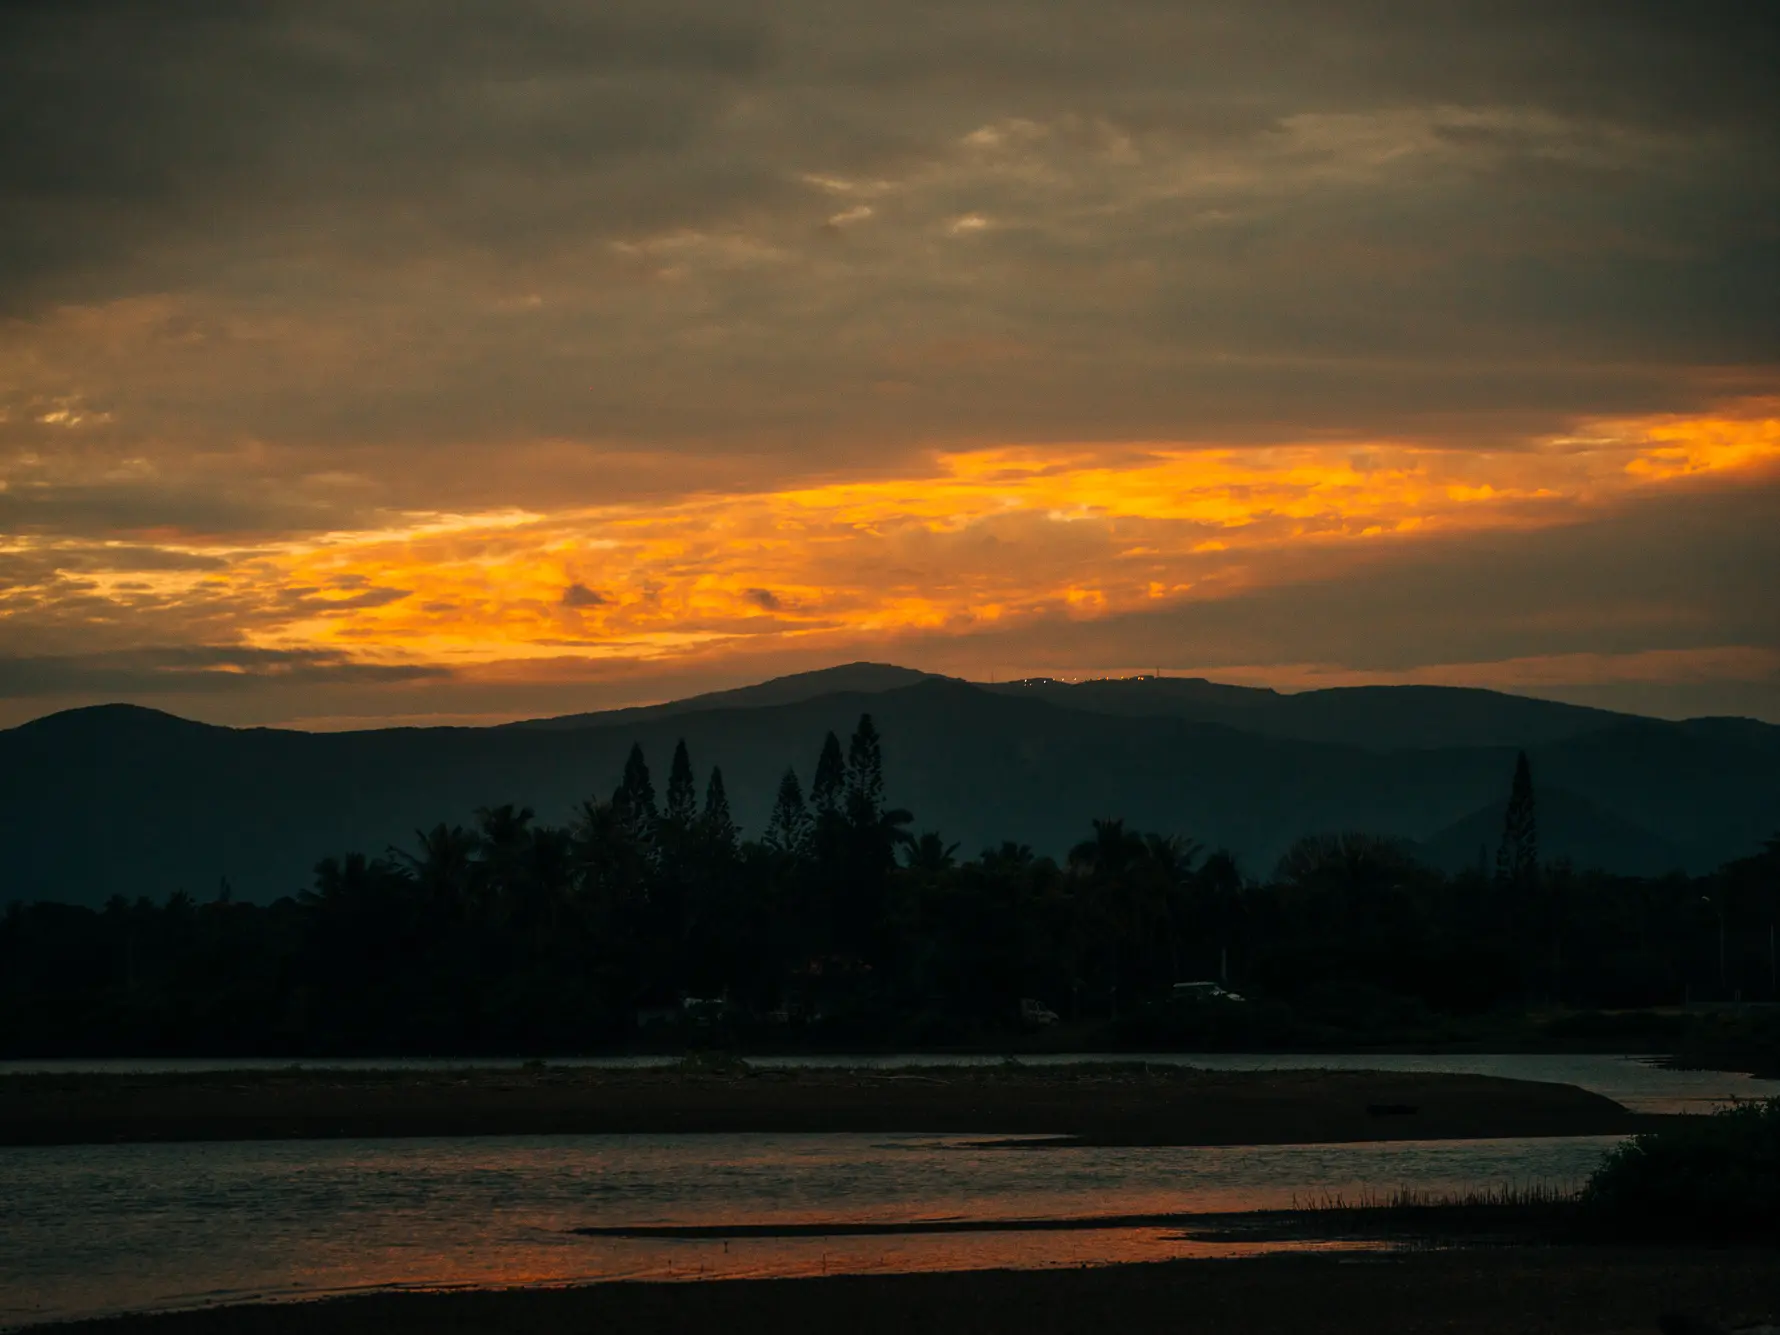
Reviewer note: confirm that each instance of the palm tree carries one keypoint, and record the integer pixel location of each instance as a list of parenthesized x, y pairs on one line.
[(1008, 855), (879, 840), (505, 836), (1172, 855), (1219, 884), (607, 862), (931, 854), (443, 865), (341, 885), (1112, 849), (1168, 867)]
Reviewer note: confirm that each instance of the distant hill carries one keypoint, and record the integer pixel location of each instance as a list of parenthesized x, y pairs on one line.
[(121, 800), (857, 678), (1376, 717)]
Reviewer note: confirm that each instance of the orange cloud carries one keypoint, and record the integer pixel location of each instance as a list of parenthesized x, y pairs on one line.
[(980, 538)]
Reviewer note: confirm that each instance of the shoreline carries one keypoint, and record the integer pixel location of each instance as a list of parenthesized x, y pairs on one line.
[(1090, 1104), (1761, 1064), (1485, 1291)]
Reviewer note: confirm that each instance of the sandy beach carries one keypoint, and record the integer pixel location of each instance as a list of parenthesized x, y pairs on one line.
[(1508, 1291)]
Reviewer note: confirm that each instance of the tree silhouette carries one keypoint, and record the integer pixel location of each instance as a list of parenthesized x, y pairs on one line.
[(442, 866), (931, 854), (829, 790), (1172, 856), (716, 826), (788, 828), (1517, 857), (1009, 856), (1220, 889), (516, 936), (865, 775), (505, 836), (682, 796), (608, 862), (634, 799), (1112, 849)]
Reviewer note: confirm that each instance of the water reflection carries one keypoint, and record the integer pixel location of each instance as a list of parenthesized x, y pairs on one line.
[(100, 1228)]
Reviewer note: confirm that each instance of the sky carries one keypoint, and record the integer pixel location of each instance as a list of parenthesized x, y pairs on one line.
[(417, 362)]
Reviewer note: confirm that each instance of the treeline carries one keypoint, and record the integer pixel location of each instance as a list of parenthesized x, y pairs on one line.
[(841, 925)]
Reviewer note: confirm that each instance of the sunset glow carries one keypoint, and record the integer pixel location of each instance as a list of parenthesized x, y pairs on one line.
[(983, 538), (1008, 349)]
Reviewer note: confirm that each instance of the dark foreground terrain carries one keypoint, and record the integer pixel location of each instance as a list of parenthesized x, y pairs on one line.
[(1522, 1291), (1098, 1104)]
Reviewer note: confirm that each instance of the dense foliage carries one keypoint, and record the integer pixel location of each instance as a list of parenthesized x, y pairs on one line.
[(650, 918), (1697, 1177)]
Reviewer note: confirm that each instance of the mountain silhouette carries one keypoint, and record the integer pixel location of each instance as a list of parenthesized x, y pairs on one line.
[(863, 678), (1376, 717), (123, 800)]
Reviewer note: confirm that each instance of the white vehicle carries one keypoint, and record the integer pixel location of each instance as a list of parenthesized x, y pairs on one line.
[(1033, 1011), (1203, 991)]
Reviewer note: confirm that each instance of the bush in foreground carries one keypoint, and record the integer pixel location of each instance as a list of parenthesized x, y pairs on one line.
[(1698, 1177)]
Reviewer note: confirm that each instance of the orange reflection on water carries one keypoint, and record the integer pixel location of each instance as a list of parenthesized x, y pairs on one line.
[(504, 1265)]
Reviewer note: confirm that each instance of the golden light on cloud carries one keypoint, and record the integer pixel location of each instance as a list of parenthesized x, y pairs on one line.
[(979, 538)]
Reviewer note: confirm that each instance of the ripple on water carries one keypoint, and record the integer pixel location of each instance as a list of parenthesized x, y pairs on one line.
[(91, 1229)]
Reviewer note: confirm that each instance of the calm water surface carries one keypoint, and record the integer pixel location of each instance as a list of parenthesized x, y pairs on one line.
[(93, 1229)]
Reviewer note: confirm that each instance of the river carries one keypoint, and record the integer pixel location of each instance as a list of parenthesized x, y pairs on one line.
[(96, 1229)]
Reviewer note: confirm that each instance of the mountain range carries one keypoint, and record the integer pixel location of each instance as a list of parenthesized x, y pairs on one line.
[(117, 799)]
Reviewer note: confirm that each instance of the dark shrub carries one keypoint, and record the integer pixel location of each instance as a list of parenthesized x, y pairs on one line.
[(1698, 1177)]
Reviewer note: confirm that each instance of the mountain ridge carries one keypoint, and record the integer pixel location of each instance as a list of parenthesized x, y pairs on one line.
[(123, 800)]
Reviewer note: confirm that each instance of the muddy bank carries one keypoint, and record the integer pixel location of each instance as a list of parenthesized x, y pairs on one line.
[(1504, 1291), (1100, 1104)]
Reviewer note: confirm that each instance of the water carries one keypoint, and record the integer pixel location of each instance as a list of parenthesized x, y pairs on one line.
[(1636, 1082), (95, 1229)]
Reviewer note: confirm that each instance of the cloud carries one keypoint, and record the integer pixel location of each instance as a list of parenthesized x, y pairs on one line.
[(726, 312), (187, 668), (579, 595), (538, 223), (1661, 580)]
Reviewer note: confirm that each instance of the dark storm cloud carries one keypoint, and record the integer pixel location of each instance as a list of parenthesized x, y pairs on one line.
[(141, 143), (130, 127), (182, 668)]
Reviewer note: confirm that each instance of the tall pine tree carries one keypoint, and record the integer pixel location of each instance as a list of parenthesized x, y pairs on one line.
[(865, 775), (828, 792), (788, 829), (1517, 858), (682, 795), (634, 801), (717, 826)]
